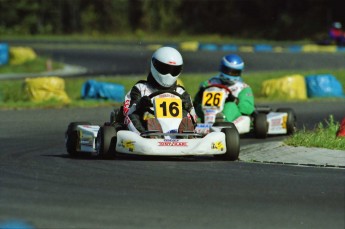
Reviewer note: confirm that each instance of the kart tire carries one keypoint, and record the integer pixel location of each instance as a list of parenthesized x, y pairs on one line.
[(113, 116), (260, 125), (291, 120), (232, 141), (71, 138), (106, 141)]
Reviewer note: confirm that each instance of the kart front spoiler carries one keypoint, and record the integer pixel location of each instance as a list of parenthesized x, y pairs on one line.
[(131, 143)]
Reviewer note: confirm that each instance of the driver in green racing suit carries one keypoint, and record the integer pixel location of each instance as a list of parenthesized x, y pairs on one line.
[(240, 101)]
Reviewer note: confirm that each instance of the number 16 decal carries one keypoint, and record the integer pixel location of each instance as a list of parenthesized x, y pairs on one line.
[(168, 108)]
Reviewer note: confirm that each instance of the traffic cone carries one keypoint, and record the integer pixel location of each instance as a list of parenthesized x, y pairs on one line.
[(341, 131)]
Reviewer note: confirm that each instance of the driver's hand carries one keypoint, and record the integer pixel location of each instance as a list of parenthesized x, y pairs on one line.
[(232, 98), (144, 103), (187, 104)]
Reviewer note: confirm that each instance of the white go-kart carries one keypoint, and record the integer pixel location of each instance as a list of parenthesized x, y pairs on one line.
[(263, 122), (169, 134)]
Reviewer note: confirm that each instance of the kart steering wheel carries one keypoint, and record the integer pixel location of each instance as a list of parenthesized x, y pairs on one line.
[(164, 91), (219, 86)]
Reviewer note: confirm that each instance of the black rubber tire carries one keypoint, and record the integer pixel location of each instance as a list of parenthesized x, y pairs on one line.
[(291, 120), (71, 136), (232, 141), (106, 141), (113, 116), (260, 125)]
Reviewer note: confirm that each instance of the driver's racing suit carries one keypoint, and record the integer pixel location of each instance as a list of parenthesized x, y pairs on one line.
[(133, 117), (242, 102)]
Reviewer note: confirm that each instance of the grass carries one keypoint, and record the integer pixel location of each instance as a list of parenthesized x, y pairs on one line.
[(323, 136), (37, 65), (12, 95), (141, 36)]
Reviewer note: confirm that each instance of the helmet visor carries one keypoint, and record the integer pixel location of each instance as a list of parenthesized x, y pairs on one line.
[(230, 71), (164, 69)]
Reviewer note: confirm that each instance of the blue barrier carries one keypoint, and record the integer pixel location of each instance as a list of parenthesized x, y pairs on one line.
[(341, 48), (295, 48), (4, 53), (196, 46), (100, 90), (263, 48), (229, 48), (208, 47), (323, 85)]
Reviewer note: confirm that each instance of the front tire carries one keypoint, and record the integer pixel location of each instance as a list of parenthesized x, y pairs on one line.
[(72, 139), (232, 141), (106, 142), (260, 125), (225, 124)]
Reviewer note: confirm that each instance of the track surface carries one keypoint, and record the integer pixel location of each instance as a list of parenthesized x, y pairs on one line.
[(39, 183), (137, 61)]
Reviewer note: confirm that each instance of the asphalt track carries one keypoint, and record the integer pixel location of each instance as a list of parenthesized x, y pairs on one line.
[(41, 185), (110, 62)]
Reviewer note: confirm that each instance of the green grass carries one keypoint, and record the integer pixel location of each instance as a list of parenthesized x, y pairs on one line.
[(37, 65), (141, 36), (12, 95), (323, 136)]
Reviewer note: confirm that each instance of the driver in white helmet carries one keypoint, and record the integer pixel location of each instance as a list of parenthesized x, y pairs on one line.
[(166, 67)]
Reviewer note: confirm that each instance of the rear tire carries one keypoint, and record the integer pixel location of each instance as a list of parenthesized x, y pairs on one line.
[(106, 142), (260, 125), (71, 138), (232, 141), (291, 120)]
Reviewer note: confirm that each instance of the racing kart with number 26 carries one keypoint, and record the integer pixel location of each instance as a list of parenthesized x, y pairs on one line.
[(168, 134), (264, 121)]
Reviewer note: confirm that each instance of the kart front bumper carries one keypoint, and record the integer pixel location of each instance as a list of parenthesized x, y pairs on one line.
[(131, 143)]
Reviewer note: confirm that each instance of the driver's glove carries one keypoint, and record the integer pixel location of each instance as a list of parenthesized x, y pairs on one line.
[(187, 104), (144, 104), (232, 98)]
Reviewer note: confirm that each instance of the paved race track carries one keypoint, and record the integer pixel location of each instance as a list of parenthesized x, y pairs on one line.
[(112, 62), (40, 184)]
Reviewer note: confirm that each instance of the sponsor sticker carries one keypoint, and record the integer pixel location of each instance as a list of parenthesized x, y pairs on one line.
[(128, 144), (218, 146), (275, 122), (173, 142)]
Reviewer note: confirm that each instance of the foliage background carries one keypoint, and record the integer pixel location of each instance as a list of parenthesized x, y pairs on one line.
[(254, 19)]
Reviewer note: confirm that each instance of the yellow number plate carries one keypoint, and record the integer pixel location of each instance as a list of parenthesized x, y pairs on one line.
[(168, 108), (212, 98)]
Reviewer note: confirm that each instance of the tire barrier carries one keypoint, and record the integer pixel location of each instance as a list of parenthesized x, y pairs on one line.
[(20, 55), (46, 88), (4, 53), (303, 87), (93, 89), (308, 48), (323, 85)]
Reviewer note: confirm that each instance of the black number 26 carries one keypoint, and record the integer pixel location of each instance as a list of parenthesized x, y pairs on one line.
[(212, 100)]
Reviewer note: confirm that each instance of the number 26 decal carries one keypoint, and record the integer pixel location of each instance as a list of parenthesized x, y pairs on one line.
[(212, 99)]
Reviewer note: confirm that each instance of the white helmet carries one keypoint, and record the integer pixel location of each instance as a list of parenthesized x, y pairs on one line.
[(166, 66)]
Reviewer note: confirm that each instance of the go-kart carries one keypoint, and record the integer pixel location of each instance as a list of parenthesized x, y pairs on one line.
[(264, 121), (168, 134)]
